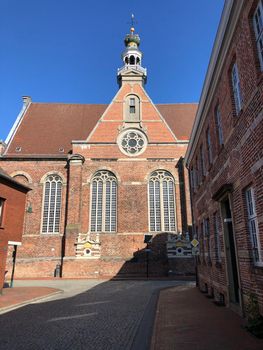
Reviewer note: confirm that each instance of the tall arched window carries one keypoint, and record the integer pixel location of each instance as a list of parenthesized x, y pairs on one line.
[(52, 204), (103, 202), (161, 201)]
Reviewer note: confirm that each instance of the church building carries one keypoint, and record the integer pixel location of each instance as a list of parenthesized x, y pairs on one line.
[(105, 179)]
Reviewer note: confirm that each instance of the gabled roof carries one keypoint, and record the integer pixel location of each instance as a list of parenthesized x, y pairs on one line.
[(49, 128)]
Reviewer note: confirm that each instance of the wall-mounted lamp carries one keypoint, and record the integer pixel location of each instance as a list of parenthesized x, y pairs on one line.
[(29, 208)]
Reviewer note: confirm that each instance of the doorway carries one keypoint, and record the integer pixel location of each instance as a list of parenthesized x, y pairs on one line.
[(230, 251)]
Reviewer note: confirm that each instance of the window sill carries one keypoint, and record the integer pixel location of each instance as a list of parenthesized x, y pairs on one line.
[(50, 233)]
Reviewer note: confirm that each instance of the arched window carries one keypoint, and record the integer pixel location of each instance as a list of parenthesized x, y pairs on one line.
[(103, 202), (132, 60), (132, 108), (52, 204), (161, 201)]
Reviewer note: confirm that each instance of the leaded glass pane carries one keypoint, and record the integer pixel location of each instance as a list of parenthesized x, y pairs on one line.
[(103, 202), (161, 202), (52, 204)]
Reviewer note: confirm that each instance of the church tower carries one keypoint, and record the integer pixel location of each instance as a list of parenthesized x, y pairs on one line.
[(132, 59)]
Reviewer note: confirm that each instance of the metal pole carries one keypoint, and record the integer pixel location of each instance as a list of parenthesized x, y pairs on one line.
[(13, 268), (147, 261)]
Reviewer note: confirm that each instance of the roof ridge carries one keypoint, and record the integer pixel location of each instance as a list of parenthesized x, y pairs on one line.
[(71, 103), (178, 103)]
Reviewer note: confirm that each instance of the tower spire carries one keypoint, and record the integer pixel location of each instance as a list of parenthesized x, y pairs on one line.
[(132, 58)]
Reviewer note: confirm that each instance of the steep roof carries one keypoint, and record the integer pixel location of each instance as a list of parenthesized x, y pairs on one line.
[(49, 128)]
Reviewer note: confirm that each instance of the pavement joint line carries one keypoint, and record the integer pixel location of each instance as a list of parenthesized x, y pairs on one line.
[(7, 309)]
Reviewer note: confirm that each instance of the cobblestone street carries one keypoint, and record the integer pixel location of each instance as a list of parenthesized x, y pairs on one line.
[(104, 315)]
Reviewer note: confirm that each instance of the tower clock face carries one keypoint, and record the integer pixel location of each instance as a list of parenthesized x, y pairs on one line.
[(132, 142)]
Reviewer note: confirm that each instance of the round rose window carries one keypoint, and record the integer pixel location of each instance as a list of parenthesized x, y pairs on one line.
[(132, 142)]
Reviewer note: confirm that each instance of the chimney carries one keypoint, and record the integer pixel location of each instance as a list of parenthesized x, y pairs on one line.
[(2, 147), (26, 100)]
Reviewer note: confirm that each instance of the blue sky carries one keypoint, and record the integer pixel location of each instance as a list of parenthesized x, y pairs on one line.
[(69, 50)]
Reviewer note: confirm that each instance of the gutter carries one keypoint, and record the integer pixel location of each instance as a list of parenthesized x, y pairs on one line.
[(26, 103)]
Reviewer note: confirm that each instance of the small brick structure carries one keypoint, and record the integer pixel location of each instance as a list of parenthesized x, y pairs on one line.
[(225, 161), (12, 211)]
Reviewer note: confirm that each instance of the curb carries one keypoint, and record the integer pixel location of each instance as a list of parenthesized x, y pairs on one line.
[(6, 309)]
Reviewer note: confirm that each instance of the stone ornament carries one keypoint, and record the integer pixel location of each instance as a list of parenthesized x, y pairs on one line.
[(132, 142)]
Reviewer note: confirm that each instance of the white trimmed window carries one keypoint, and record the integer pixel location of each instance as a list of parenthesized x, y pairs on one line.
[(253, 227), (202, 162), (207, 237), (2, 203), (258, 27), (52, 204), (161, 202), (219, 126), (132, 108), (104, 202), (236, 88), (132, 105), (192, 178), (209, 146), (217, 237), (197, 175)]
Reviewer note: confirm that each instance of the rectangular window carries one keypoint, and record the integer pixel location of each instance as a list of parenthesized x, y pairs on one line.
[(236, 88), (207, 236), (258, 27), (219, 126), (196, 172), (132, 105), (2, 204), (209, 146), (202, 161), (202, 241), (253, 227), (217, 237), (192, 178)]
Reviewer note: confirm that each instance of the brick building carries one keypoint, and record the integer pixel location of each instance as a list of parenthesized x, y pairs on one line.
[(102, 177), (225, 161), (12, 210)]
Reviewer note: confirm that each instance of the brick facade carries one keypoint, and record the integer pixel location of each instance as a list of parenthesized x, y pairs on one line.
[(120, 252), (236, 165), (13, 200)]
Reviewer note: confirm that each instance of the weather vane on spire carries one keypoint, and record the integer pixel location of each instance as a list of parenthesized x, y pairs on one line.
[(132, 22)]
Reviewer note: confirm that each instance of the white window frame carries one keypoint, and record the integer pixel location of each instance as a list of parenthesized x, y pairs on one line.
[(253, 227), (218, 254), (207, 236), (219, 126), (2, 209), (258, 28), (103, 222), (192, 178), (209, 146), (202, 162), (132, 105), (158, 219), (236, 88), (52, 203)]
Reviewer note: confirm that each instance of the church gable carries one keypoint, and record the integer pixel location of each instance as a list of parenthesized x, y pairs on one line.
[(131, 108)]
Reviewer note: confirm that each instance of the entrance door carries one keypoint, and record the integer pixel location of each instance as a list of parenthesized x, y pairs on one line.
[(230, 251)]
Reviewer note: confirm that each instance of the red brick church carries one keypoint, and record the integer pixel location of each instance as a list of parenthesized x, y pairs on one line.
[(102, 177)]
